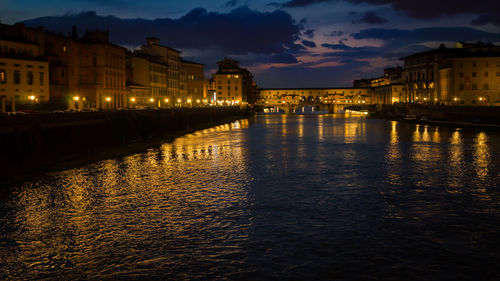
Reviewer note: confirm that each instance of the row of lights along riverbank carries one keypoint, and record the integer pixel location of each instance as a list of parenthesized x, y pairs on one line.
[(179, 102)]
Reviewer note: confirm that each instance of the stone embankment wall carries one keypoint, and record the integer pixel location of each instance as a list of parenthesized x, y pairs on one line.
[(29, 143), (473, 114)]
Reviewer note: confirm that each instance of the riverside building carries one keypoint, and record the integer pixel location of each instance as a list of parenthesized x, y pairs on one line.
[(464, 75), (168, 57), (233, 85), (193, 86), (24, 70)]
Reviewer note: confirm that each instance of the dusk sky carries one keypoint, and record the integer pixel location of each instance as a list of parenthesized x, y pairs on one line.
[(297, 43)]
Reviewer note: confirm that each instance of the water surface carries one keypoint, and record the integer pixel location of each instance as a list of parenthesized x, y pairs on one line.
[(273, 198)]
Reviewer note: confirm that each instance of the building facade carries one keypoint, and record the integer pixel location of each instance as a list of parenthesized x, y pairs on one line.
[(24, 70), (464, 75), (168, 57), (324, 95), (471, 80), (233, 85), (100, 73), (192, 82)]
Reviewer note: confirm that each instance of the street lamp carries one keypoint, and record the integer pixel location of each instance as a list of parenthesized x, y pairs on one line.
[(31, 98), (76, 98), (108, 99), (132, 99)]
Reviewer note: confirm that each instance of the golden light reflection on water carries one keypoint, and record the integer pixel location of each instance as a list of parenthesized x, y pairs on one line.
[(284, 130), (481, 156), (456, 162), (111, 205), (393, 156), (436, 137), (354, 131), (301, 126), (426, 156), (321, 121), (171, 205)]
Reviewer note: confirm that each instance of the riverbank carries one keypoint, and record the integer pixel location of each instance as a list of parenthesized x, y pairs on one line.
[(34, 145), (484, 117)]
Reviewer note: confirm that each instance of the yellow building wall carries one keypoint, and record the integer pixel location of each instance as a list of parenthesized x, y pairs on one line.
[(475, 81), (24, 92), (229, 88)]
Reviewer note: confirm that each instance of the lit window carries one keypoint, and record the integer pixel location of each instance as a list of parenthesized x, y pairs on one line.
[(3, 76), (64, 48)]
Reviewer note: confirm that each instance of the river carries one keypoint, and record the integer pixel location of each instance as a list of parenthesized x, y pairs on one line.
[(329, 197)]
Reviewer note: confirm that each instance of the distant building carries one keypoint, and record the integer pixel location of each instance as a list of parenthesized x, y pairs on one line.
[(471, 79), (152, 73), (169, 57), (100, 72), (234, 85), (387, 89), (464, 75), (276, 96), (24, 70), (421, 77), (192, 82), (362, 83)]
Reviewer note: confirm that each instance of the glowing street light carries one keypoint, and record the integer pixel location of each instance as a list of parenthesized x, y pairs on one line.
[(76, 98), (166, 100), (31, 97), (132, 99), (151, 100), (108, 99)]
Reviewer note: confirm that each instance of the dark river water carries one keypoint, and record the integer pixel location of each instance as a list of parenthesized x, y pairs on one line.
[(272, 198)]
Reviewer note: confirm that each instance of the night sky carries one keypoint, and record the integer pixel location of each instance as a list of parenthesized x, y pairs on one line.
[(299, 43)]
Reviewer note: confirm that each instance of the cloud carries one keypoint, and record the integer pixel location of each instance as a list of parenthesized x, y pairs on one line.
[(486, 19), (337, 33), (425, 9), (427, 34), (309, 44), (398, 43), (239, 31), (371, 17), (309, 33), (336, 46), (301, 3), (296, 49), (231, 3), (283, 58)]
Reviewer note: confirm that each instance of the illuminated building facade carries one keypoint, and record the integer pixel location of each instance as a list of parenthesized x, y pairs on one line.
[(166, 56), (324, 95), (233, 85), (464, 75), (192, 82), (387, 89), (471, 80), (24, 71), (100, 72)]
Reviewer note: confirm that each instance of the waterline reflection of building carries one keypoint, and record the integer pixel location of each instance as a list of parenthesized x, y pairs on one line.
[(456, 162), (393, 156)]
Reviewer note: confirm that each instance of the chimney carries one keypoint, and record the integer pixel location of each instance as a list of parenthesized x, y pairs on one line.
[(152, 41)]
